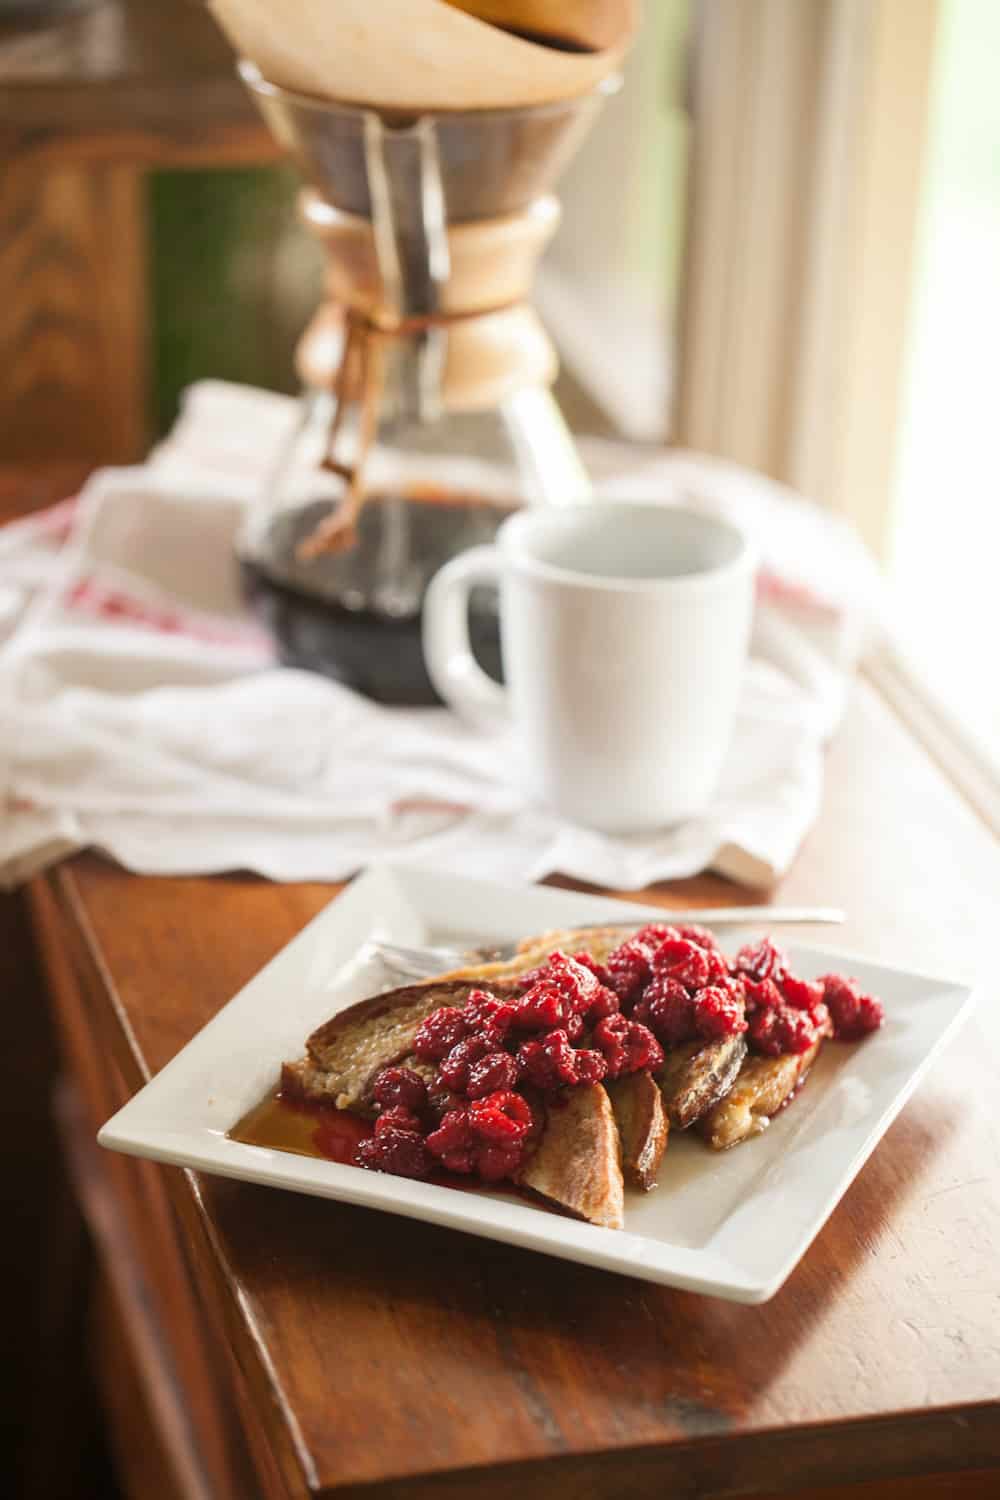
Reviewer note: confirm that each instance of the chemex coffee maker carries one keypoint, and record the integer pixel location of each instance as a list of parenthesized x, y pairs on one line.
[(427, 414)]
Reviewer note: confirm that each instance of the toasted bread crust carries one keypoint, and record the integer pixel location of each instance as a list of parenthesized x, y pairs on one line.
[(576, 1165), (696, 1075), (642, 1126), (763, 1086), (344, 1054)]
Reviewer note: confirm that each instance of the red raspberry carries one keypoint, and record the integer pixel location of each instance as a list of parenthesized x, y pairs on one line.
[(630, 965), (820, 1017), (493, 1163), (600, 971), (764, 995), (548, 1063), (803, 994), (439, 1032), (577, 985), (853, 1014), (627, 1046), (668, 1010), (398, 1151), (611, 1037), (764, 1031), (655, 933), (629, 969), (798, 1030), (605, 1003), (717, 1014), (453, 1070), (679, 959), (695, 933), (642, 1049), (502, 1119), (540, 1008), (781, 1030), (397, 1118), (718, 969), (484, 1012), (582, 991), (463, 1162), (495, 1070), (590, 1065), (400, 1088), (452, 1135), (574, 1027), (763, 960)]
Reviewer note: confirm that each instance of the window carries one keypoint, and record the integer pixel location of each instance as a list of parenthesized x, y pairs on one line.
[(944, 536)]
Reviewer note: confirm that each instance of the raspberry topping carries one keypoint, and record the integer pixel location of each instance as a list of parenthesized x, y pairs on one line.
[(400, 1087), (590, 1065), (453, 1070), (631, 964), (503, 1118), (627, 1046), (695, 933), (398, 1118), (484, 1012), (667, 1009), (680, 959), (439, 1032), (486, 1138), (567, 1028), (762, 995), (853, 1014), (780, 1029), (803, 994), (601, 972), (540, 1008), (763, 960), (718, 1013), (494, 1071), (549, 1063), (401, 1152), (575, 1026)]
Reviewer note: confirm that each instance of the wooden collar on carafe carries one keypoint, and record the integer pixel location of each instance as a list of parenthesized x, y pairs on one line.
[(493, 340)]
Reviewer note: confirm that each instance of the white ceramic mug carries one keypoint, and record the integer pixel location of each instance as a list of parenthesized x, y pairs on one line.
[(625, 631)]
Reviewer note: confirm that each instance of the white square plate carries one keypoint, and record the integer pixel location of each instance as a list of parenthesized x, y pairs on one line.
[(731, 1225)]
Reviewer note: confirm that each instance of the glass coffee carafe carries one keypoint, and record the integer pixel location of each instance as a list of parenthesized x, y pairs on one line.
[(427, 414)]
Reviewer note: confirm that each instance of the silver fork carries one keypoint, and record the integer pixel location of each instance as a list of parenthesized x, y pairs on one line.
[(423, 963)]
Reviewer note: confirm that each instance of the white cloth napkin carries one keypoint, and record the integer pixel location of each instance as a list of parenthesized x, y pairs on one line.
[(141, 711)]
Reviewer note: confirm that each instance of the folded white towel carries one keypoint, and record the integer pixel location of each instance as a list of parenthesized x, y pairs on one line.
[(141, 712)]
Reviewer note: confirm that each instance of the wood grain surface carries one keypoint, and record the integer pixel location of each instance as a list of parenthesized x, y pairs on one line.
[(73, 323), (121, 65), (88, 101), (389, 1358)]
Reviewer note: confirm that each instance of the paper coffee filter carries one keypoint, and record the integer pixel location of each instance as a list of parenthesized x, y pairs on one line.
[(593, 24), (409, 55)]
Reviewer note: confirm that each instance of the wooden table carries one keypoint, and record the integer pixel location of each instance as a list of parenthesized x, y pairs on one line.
[(90, 98), (259, 1343)]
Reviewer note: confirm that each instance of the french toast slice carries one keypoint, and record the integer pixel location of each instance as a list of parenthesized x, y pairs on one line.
[(642, 1126), (344, 1054), (576, 1165), (764, 1086), (697, 1075)]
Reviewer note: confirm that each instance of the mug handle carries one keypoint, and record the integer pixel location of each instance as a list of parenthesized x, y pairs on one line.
[(451, 666)]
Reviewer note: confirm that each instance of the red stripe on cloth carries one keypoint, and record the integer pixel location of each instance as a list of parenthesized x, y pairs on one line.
[(88, 595)]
